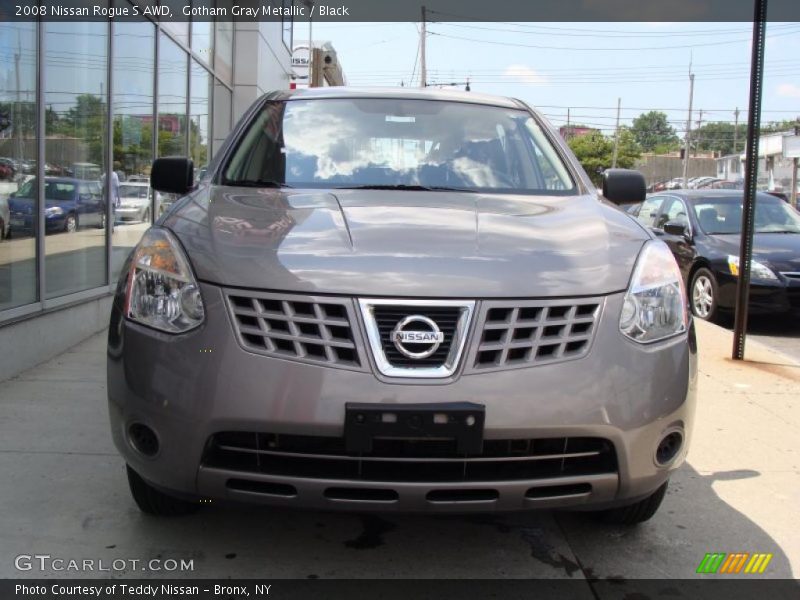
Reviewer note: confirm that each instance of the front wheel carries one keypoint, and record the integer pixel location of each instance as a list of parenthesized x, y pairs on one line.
[(155, 502), (71, 223), (703, 295), (636, 513)]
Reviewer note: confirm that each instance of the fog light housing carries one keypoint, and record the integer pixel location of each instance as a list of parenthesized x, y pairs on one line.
[(143, 439), (668, 448)]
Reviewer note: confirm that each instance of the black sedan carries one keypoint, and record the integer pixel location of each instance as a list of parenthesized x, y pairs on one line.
[(702, 228)]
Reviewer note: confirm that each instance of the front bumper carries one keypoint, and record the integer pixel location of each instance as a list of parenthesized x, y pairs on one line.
[(771, 297), (129, 213), (191, 387)]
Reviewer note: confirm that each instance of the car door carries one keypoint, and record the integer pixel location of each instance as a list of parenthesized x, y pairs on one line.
[(90, 202), (673, 210)]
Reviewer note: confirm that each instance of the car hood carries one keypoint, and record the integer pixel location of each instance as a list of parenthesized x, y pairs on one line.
[(406, 243), (780, 250), (27, 205), (134, 200)]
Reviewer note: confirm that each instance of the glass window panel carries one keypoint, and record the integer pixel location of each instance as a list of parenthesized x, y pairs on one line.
[(132, 101), (178, 29), (75, 68), (199, 118), (172, 80), (223, 50), (202, 34), (287, 24), (222, 115), (17, 163)]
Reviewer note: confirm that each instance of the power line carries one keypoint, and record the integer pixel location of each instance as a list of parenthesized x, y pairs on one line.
[(606, 49)]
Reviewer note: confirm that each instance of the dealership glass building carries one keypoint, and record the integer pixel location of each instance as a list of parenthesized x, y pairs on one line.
[(80, 99)]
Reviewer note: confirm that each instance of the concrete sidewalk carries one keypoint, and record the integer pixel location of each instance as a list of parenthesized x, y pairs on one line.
[(65, 494)]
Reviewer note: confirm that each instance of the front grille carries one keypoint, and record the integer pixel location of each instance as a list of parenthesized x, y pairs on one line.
[(387, 317), (523, 334), (409, 460), (304, 328)]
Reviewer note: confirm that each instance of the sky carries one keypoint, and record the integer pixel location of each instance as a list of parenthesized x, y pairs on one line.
[(582, 66)]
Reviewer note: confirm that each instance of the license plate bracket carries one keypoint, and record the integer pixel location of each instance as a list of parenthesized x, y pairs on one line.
[(460, 421)]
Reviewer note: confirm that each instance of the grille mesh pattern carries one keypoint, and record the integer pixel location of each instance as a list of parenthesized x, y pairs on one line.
[(515, 334), (303, 328), (408, 460)]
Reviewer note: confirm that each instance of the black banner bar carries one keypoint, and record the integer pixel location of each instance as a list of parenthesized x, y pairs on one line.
[(709, 587), (397, 10)]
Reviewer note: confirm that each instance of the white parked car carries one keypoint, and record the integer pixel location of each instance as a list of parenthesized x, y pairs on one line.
[(134, 202)]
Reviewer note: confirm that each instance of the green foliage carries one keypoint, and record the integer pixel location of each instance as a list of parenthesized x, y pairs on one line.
[(653, 132), (719, 137), (596, 152)]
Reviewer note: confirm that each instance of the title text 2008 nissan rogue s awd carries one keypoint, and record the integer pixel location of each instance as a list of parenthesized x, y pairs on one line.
[(399, 300)]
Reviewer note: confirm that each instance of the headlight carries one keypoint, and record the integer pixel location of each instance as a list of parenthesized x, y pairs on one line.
[(655, 305), (53, 211), (757, 269), (162, 292)]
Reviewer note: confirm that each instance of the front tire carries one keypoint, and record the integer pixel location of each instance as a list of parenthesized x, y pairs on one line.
[(71, 224), (155, 502), (704, 294), (636, 513)]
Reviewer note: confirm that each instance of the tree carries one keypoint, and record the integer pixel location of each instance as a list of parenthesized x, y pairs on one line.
[(653, 132), (718, 137), (596, 152)]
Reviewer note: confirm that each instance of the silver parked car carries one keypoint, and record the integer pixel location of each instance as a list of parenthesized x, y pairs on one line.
[(405, 300), (134, 201)]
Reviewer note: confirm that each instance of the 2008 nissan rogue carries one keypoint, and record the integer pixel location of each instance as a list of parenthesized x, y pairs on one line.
[(406, 300)]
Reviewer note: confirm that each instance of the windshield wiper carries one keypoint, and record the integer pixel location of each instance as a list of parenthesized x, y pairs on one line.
[(778, 231), (405, 187), (258, 183)]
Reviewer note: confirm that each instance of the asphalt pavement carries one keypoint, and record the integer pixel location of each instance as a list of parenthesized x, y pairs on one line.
[(65, 495)]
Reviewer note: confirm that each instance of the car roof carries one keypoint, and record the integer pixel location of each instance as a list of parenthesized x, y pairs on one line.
[(408, 93), (705, 193)]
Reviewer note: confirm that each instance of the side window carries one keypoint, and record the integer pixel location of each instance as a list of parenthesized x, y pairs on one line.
[(674, 210), (649, 211)]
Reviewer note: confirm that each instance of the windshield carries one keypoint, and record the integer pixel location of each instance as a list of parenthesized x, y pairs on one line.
[(724, 215), (398, 143), (133, 191)]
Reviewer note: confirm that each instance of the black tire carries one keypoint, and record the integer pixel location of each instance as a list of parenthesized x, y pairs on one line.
[(71, 223), (636, 513), (3, 235), (155, 502), (704, 295)]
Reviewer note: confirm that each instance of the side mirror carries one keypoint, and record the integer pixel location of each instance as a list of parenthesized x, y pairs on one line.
[(624, 186), (173, 174), (676, 228)]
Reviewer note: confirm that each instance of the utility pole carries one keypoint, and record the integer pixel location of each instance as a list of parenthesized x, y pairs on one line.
[(616, 137), (735, 129), (699, 125), (688, 132), (568, 131), (793, 199), (423, 71)]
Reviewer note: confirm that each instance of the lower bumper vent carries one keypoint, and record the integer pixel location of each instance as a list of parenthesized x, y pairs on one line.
[(318, 457)]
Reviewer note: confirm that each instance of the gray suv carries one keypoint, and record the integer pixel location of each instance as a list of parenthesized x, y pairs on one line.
[(399, 300)]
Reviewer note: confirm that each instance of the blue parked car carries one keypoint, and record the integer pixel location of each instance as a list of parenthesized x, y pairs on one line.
[(69, 204)]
